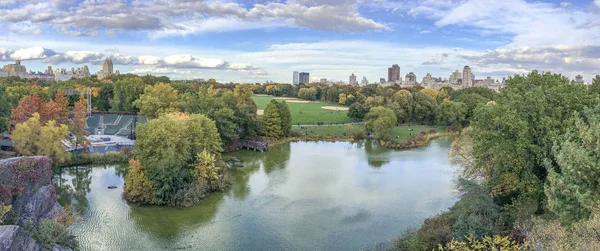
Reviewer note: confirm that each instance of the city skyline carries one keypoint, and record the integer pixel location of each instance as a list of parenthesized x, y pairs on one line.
[(200, 40)]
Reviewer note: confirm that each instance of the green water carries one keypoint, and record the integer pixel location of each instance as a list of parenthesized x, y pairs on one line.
[(297, 196)]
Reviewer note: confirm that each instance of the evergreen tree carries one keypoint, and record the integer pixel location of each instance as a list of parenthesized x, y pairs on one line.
[(272, 121), (572, 190), (286, 118)]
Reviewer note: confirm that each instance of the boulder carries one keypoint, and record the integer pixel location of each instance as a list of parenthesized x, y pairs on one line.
[(29, 181), (13, 237)]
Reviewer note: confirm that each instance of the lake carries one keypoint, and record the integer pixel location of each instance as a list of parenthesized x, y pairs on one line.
[(296, 196)]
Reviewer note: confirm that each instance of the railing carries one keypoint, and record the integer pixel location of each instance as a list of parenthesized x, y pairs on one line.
[(254, 145)]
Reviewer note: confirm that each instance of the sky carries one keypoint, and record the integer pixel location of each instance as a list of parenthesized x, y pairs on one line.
[(259, 40)]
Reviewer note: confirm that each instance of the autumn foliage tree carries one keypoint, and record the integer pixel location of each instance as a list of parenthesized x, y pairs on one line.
[(32, 138), (77, 125)]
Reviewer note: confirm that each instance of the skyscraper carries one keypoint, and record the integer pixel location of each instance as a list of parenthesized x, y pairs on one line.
[(352, 80), (107, 66), (467, 79), (394, 73), (296, 79), (304, 78)]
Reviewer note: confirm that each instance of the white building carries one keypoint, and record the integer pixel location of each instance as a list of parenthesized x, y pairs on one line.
[(295, 78), (352, 80)]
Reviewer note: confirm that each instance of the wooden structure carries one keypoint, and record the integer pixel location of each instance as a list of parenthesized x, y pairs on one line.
[(253, 145)]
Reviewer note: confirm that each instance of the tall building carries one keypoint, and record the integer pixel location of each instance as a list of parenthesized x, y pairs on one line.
[(352, 80), (15, 69), (296, 80), (304, 78), (394, 73), (364, 81), (579, 79), (107, 69), (382, 80), (467, 79), (411, 78)]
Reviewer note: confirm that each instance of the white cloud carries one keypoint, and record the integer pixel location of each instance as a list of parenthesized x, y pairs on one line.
[(167, 18), (565, 4), (160, 71)]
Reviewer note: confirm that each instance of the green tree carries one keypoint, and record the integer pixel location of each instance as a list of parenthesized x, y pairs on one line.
[(451, 113), (48, 139), (515, 135), (158, 99), (286, 118), (401, 104), (595, 87), (424, 108), (307, 93), (272, 121), (4, 111), (380, 120), (105, 95), (176, 134), (125, 92), (572, 189), (225, 121)]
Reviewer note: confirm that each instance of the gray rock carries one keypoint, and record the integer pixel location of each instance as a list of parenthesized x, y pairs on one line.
[(61, 248), (39, 206), (235, 159), (13, 237)]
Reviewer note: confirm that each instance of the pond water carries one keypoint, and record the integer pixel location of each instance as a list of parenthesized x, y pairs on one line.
[(297, 196)]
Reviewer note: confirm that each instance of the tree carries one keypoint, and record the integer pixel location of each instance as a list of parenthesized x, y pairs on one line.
[(380, 120), (424, 108), (167, 149), (48, 140), (206, 171), (138, 188), (595, 87), (431, 92), (125, 92), (272, 121), (286, 118), (105, 95), (62, 104), (342, 99), (178, 134), (4, 111), (307, 93), (516, 135), (401, 104), (26, 108), (77, 125), (357, 111), (451, 113), (571, 190), (158, 99), (225, 121)]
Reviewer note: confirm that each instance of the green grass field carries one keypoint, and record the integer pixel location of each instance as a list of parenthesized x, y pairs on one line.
[(398, 133), (307, 113)]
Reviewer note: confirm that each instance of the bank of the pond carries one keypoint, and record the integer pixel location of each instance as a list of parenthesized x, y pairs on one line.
[(109, 158), (297, 196)]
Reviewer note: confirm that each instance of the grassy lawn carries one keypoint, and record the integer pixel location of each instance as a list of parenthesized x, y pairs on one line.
[(307, 113), (402, 131)]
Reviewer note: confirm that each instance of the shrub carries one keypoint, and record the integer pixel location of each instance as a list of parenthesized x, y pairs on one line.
[(358, 135), (432, 131), (296, 134), (51, 233)]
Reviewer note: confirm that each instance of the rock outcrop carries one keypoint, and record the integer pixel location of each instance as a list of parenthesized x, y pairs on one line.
[(26, 185), (28, 180), (13, 237)]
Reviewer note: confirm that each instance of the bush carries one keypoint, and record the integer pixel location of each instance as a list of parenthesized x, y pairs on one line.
[(51, 233), (108, 158), (358, 135)]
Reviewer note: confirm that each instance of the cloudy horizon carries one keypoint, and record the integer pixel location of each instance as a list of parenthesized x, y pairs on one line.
[(257, 41)]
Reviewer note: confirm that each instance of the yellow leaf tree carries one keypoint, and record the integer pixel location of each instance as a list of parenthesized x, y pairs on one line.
[(31, 138), (158, 99)]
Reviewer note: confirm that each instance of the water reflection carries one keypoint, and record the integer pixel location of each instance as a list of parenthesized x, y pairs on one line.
[(298, 196)]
